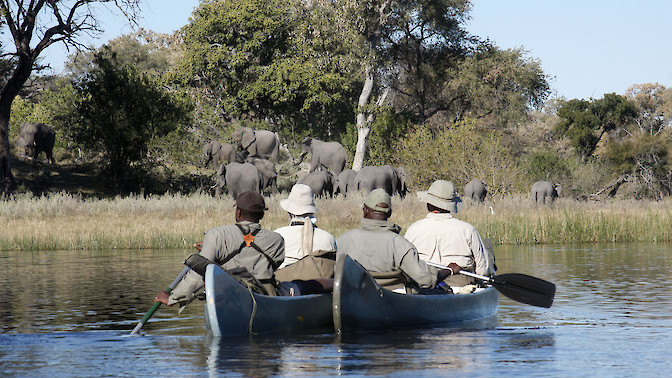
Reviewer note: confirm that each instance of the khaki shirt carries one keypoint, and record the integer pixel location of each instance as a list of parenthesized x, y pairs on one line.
[(322, 241), (378, 247), (442, 239), (220, 242)]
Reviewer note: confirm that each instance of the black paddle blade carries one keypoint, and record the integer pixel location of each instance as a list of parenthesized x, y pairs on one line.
[(525, 289)]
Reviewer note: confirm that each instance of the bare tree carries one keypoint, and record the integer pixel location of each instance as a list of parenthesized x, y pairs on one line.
[(35, 25)]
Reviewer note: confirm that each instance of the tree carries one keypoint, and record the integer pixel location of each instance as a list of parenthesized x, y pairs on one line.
[(118, 111), (655, 103), (269, 61), (49, 22), (385, 28), (585, 122)]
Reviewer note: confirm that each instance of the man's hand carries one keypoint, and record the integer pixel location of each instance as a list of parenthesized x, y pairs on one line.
[(162, 297), (198, 246), (455, 268), (452, 269)]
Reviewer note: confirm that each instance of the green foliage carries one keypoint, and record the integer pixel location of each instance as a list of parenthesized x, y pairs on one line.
[(386, 130), (118, 111), (585, 122), (459, 153), (547, 165), (148, 52), (261, 61), (497, 86), (646, 158)]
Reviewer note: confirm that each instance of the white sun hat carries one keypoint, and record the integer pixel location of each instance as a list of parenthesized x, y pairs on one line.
[(300, 201)]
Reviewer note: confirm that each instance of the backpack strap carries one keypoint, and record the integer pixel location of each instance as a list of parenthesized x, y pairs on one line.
[(248, 241)]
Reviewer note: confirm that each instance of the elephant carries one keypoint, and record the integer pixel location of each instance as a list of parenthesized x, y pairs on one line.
[(393, 180), (210, 149), (330, 155), (35, 138), (260, 143), (345, 181), (476, 190), (544, 190), (227, 154), (321, 182), (268, 172), (238, 178)]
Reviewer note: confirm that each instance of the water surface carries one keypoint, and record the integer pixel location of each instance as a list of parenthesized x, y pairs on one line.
[(69, 313)]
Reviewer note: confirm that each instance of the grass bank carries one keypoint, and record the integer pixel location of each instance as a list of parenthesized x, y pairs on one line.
[(65, 221)]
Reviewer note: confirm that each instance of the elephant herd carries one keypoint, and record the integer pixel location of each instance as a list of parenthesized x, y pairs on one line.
[(248, 164)]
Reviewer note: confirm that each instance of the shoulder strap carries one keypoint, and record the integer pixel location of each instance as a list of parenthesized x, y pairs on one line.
[(248, 241)]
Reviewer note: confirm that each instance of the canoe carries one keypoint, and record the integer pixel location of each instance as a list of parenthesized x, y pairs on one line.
[(231, 310), (360, 304)]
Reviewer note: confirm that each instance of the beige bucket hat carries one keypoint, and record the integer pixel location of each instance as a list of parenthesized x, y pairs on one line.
[(299, 201), (442, 195)]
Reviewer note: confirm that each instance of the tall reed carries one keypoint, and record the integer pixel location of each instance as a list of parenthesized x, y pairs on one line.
[(65, 221)]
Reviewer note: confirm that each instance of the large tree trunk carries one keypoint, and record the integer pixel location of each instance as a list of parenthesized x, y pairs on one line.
[(366, 116), (363, 121), (24, 67)]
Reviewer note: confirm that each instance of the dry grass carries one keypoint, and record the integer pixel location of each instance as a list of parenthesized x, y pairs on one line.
[(63, 221)]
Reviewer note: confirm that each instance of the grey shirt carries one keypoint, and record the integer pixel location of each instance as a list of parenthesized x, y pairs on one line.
[(378, 247), (220, 242)]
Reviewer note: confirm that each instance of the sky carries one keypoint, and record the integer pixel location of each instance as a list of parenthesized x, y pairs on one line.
[(587, 48)]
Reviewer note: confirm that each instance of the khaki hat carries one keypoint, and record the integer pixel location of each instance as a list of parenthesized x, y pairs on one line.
[(442, 195), (299, 201), (377, 197), (252, 202)]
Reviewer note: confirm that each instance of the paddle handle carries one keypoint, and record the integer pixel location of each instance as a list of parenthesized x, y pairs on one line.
[(474, 275), (156, 305)]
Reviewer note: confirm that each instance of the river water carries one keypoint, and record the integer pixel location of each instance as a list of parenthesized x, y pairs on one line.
[(69, 313)]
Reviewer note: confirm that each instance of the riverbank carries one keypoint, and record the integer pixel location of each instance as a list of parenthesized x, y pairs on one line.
[(63, 221)]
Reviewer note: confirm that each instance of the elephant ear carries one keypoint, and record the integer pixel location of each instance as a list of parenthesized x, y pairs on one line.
[(248, 139), (222, 170)]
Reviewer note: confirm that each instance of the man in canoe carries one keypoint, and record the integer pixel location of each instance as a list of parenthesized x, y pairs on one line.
[(441, 238), (302, 236), (244, 244), (378, 247)]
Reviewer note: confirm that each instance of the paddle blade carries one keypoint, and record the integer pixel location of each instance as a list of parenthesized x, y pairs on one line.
[(525, 289)]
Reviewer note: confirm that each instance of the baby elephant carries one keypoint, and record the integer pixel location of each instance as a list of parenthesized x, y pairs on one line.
[(35, 138)]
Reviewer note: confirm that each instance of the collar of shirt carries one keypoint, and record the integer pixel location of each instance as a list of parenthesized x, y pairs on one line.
[(379, 225), (440, 216)]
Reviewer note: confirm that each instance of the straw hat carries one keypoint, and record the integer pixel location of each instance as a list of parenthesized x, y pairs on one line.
[(300, 201), (442, 195)]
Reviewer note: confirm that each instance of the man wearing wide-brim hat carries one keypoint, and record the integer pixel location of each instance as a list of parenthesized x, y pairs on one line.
[(302, 236), (443, 239), (378, 247)]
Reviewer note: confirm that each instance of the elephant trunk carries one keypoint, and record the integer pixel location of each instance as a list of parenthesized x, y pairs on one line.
[(303, 155)]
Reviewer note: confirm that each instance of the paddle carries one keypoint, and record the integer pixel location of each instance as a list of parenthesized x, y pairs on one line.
[(519, 287), (157, 304)]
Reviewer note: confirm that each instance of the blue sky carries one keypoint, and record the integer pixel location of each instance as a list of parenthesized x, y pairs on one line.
[(588, 47)]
